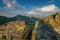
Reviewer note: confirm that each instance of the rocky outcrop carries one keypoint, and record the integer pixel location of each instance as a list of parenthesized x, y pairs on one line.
[(15, 30), (34, 31), (47, 29), (54, 21), (54, 24), (31, 28), (43, 32)]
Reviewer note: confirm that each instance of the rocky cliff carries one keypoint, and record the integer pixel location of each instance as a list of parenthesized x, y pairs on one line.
[(54, 21), (15, 30), (47, 29), (25, 28)]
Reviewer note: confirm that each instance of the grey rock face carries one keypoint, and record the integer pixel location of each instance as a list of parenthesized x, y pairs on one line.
[(43, 32)]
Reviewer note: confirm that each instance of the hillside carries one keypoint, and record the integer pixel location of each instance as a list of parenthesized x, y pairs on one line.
[(54, 21), (16, 30), (30, 28)]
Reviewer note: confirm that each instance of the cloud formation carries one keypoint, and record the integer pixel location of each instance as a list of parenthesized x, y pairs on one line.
[(31, 12), (45, 10), (48, 8), (12, 4)]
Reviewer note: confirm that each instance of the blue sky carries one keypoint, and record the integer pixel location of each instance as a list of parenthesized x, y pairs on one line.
[(29, 7)]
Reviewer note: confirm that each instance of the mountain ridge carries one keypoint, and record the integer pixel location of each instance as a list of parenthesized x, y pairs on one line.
[(32, 28)]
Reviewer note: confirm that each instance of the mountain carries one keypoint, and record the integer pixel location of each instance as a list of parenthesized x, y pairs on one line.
[(20, 26), (47, 29), (14, 29), (30, 28), (54, 21), (4, 19)]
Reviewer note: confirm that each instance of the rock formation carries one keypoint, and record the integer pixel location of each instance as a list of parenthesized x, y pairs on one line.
[(54, 21), (16, 30), (31, 28)]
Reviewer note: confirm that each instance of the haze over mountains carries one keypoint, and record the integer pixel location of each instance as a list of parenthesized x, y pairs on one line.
[(30, 28)]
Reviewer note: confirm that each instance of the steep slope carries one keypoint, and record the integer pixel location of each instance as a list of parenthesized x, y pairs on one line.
[(2, 19), (43, 31), (54, 24), (17, 30), (54, 21), (18, 25), (22, 28), (47, 29)]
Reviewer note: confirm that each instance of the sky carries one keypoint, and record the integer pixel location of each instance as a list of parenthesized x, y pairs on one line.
[(12, 8)]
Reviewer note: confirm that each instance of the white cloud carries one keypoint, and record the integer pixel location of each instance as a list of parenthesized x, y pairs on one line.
[(48, 8), (9, 5), (31, 12), (12, 4)]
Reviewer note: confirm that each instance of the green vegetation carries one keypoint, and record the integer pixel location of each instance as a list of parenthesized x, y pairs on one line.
[(32, 28)]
